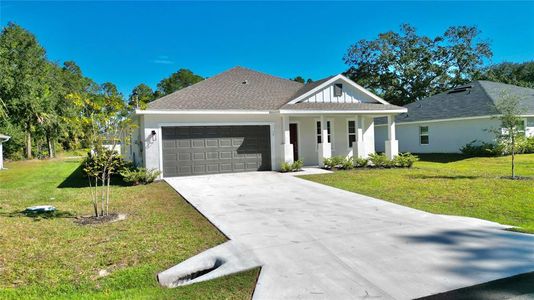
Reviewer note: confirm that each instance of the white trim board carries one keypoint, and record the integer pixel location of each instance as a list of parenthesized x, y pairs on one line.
[(342, 112), (177, 124)]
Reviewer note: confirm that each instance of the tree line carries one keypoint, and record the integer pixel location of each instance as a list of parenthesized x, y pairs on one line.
[(46, 105)]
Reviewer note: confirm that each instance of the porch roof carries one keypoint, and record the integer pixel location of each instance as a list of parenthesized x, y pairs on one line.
[(341, 108)]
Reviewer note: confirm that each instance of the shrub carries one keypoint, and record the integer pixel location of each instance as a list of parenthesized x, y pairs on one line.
[(140, 175), (291, 167), (525, 145), (328, 163), (347, 164), (297, 165), (405, 160), (379, 160), (360, 162), (476, 148), (285, 167)]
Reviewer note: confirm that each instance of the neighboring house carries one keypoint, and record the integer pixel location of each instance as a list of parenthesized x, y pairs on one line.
[(3, 139), (445, 122), (243, 120)]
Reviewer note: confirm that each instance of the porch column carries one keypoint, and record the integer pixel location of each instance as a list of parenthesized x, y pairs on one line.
[(358, 146), (368, 133), (287, 147), (392, 145), (325, 149)]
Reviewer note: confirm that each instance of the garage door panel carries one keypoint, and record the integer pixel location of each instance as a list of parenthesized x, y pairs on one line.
[(192, 150)]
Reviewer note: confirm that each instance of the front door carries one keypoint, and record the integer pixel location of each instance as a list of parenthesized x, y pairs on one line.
[(294, 140)]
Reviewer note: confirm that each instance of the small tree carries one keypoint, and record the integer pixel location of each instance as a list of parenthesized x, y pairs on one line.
[(106, 119), (510, 109)]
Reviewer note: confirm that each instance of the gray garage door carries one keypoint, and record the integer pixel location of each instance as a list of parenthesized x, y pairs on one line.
[(195, 150)]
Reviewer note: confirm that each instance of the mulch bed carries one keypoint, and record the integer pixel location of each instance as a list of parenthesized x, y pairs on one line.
[(92, 220)]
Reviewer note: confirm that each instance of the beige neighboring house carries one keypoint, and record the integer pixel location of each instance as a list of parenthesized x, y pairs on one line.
[(3, 139), (244, 120)]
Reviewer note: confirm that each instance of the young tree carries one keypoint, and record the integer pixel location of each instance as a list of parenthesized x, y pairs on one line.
[(512, 127), (177, 81), (405, 67), (107, 119)]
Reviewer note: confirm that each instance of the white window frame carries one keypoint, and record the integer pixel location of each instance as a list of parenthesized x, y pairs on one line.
[(349, 134), (427, 135), (331, 121)]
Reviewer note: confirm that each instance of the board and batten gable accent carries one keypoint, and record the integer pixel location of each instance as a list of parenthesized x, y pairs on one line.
[(349, 95)]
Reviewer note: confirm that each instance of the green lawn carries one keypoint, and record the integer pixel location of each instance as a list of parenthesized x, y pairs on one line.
[(55, 258), (452, 185)]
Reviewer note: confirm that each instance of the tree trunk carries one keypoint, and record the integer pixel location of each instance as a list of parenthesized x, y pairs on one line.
[(93, 196), (513, 157), (103, 192), (50, 146), (29, 145), (107, 196)]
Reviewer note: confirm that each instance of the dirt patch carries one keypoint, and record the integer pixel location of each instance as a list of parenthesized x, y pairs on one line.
[(92, 220)]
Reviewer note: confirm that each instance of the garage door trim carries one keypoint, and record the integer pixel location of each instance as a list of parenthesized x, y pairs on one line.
[(159, 135)]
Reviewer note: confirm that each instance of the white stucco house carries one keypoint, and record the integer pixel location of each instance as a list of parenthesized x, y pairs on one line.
[(244, 120), (3, 139), (445, 122)]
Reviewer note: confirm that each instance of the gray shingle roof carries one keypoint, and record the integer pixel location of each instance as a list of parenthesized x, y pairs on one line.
[(340, 106), (478, 99), (227, 91)]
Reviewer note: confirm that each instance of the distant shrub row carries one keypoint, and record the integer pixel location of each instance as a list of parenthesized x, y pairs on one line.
[(478, 148)]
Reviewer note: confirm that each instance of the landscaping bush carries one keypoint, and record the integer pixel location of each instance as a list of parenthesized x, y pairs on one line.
[(476, 148), (360, 162), (139, 175), (379, 160), (291, 167), (334, 162), (297, 165), (285, 167), (525, 145), (405, 160), (347, 164)]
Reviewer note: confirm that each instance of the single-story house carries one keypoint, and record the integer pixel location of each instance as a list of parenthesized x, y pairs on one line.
[(244, 120), (445, 122), (3, 139)]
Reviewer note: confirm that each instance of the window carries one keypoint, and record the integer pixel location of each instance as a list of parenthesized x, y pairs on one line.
[(530, 122), (351, 124), (318, 126), (423, 135), (338, 89)]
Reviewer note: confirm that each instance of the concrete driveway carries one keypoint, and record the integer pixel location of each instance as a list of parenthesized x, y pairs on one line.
[(319, 242)]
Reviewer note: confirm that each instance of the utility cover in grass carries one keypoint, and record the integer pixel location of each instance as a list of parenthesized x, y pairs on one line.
[(40, 209)]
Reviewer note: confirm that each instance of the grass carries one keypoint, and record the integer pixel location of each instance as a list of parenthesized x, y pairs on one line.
[(451, 185), (54, 258)]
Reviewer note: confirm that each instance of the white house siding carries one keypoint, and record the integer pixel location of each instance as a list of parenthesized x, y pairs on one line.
[(444, 136), (326, 95), (155, 122)]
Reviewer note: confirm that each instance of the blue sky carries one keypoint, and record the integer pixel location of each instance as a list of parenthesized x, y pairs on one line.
[(142, 42)]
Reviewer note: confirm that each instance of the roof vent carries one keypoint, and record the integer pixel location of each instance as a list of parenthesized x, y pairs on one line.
[(465, 88), (244, 82)]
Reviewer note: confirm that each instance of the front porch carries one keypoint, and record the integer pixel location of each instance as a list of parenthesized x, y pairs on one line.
[(314, 137)]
